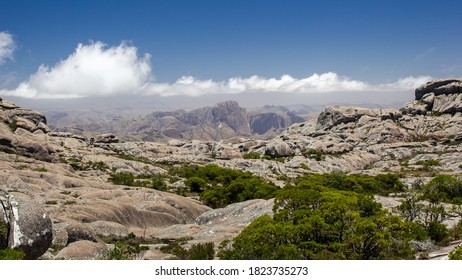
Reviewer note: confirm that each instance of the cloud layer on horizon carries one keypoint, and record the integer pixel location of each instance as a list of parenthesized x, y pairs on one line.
[(98, 70), (7, 46)]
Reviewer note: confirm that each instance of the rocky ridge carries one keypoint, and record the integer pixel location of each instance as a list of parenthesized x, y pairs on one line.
[(57, 171)]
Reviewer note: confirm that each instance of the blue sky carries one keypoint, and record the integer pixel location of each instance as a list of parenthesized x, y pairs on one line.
[(204, 46)]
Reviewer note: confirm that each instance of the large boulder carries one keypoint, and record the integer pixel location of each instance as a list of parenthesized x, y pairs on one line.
[(278, 149), (107, 138), (83, 250), (29, 229)]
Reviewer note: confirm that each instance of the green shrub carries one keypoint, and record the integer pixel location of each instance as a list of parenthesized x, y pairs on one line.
[(456, 232), (127, 248), (443, 188), (10, 254), (456, 254), (202, 251), (251, 156), (42, 169), (429, 163), (126, 179), (219, 186), (196, 184), (322, 223), (304, 166), (381, 184), (438, 232)]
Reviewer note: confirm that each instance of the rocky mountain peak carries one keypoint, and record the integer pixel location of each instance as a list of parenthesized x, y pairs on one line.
[(231, 114)]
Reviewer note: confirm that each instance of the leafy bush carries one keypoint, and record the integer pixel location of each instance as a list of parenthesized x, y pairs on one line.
[(200, 251), (42, 169), (127, 248), (251, 156), (443, 188), (456, 232), (323, 223), (154, 181), (126, 179), (221, 186), (10, 254), (456, 254), (381, 184), (196, 184), (429, 163), (438, 232)]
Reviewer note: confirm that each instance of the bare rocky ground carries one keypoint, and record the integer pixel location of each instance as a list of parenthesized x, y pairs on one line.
[(65, 178)]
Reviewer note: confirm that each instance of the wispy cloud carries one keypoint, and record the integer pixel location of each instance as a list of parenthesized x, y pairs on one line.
[(424, 54), (406, 83), (98, 70), (7, 46)]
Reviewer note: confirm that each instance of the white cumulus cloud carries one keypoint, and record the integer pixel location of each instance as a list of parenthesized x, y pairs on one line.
[(188, 85), (7, 46), (92, 70)]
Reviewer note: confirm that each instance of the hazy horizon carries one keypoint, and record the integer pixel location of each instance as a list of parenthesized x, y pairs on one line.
[(126, 105)]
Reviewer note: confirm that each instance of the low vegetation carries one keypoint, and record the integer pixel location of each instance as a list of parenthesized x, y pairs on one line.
[(151, 181), (316, 216), (200, 251), (219, 186), (10, 254), (317, 222), (126, 248), (382, 184)]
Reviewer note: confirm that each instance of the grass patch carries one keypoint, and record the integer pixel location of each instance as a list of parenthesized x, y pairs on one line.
[(251, 156), (42, 169)]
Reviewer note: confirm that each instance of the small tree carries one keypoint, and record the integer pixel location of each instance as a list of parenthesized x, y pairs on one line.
[(196, 184), (202, 251), (456, 254)]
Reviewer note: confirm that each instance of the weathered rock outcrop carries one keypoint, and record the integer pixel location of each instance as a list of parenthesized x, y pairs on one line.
[(439, 87), (16, 116), (22, 132), (335, 115)]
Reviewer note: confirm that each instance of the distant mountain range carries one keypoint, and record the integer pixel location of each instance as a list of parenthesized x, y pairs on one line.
[(223, 120)]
